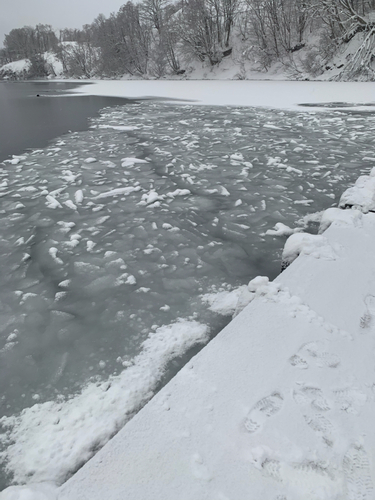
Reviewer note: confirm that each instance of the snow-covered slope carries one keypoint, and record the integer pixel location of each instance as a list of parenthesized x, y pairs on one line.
[(21, 67)]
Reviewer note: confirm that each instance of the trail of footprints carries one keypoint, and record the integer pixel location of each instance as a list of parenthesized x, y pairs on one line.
[(356, 467), (314, 407), (314, 352), (367, 319), (263, 409)]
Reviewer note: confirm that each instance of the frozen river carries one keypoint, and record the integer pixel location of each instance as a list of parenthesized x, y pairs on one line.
[(111, 233)]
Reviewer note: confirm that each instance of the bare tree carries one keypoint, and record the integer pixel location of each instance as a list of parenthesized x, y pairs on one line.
[(346, 19)]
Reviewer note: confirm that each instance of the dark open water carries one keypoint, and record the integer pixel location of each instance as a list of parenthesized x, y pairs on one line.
[(28, 121)]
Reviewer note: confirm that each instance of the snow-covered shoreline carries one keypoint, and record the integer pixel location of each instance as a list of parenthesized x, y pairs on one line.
[(278, 405)]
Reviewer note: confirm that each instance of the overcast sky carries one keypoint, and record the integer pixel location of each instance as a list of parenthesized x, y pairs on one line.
[(59, 13)]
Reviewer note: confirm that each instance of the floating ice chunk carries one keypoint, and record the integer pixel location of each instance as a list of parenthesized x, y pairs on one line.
[(64, 284), (237, 157), (273, 161), (219, 190), (303, 202), (157, 204), (224, 303), (15, 159), (109, 163), (272, 127), (306, 244), (118, 191), (59, 296), (68, 176), (90, 245), (70, 204), (130, 280), (29, 189), (53, 253), (121, 128), (90, 160), (340, 217), (238, 203), (293, 169), (281, 229), (85, 268), (78, 196), (361, 195), (65, 226), (178, 192), (223, 191), (151, 197), (165, 308), (130, 162), (51, 202)]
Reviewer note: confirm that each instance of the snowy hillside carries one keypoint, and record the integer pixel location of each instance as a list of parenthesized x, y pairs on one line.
[(21, 68), (216, 39)]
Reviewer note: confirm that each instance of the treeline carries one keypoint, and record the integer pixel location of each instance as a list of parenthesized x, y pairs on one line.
[(157, 37)]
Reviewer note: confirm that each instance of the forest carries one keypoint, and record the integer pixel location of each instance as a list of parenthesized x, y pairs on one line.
[(159, 38)]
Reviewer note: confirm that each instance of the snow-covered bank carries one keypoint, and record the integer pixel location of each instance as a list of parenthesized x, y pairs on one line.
[(271, 94), (279, 405)]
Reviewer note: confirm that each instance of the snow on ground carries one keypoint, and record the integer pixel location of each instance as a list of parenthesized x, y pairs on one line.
[(272, 94), (279, 405)]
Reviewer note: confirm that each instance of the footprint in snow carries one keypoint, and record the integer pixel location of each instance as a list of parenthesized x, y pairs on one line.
[(349, 400), (368, 316), (311, 396), (301, 476), (314, 351), (357, 472), (263, 409)]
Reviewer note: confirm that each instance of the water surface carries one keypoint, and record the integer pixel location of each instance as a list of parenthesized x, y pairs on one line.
[(33, 113)]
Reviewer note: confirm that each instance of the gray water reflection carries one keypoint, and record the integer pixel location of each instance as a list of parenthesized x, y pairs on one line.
[(33, 113)]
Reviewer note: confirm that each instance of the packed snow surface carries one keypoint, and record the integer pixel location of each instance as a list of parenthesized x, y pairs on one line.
[(110, 236)]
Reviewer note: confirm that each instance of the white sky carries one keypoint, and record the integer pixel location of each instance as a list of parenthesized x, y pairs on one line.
[(59, 13)]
